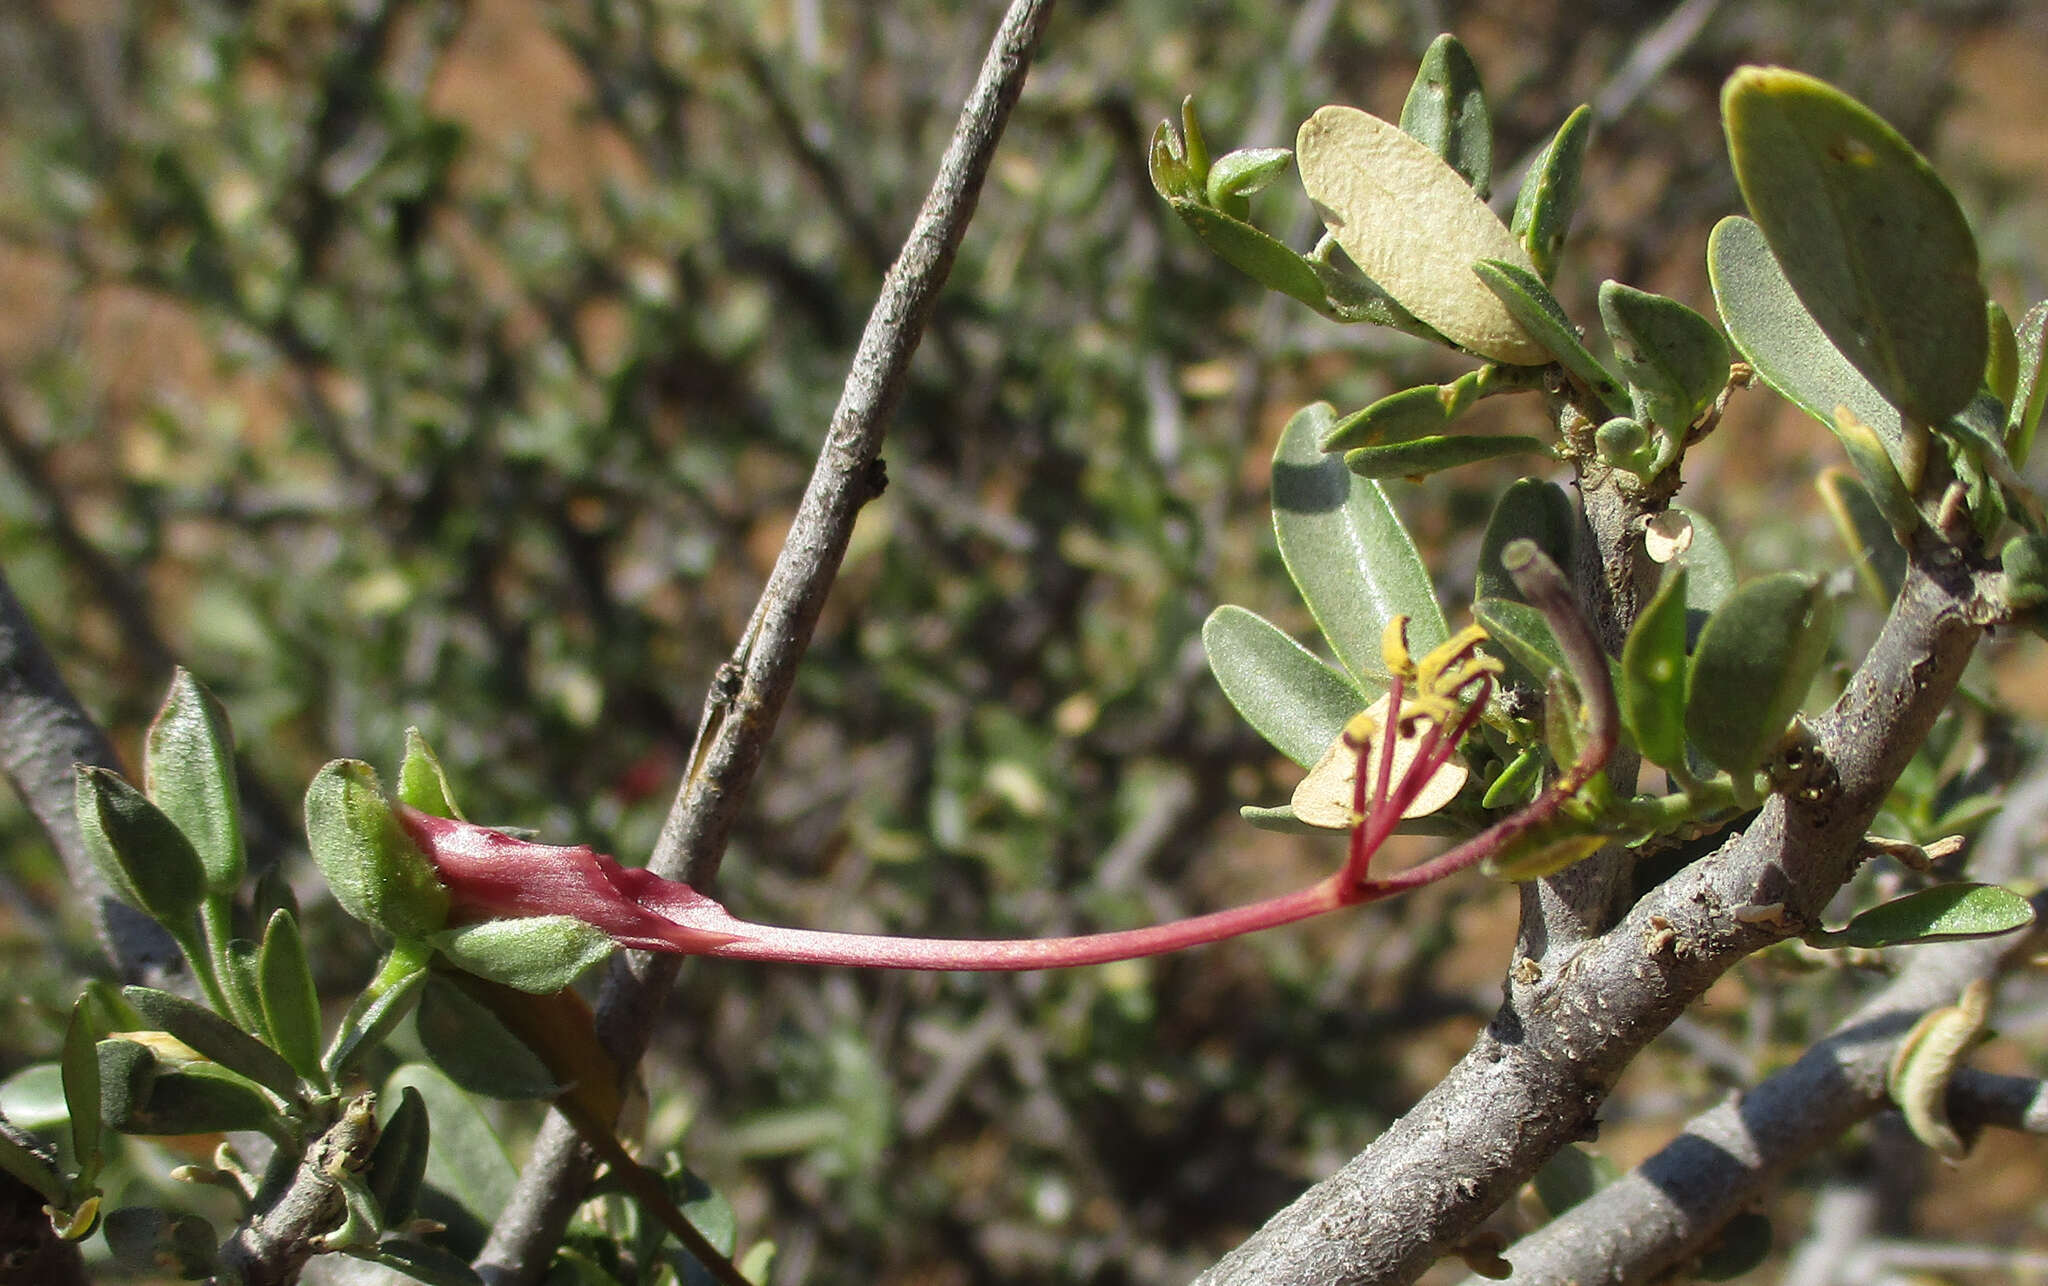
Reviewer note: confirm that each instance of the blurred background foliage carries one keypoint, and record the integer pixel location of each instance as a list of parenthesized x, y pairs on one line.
[(399, 362)]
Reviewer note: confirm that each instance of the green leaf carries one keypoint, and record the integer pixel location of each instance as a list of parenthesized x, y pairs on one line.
[(1522, 637), (80, 1064), (2025, 563), (1653, 673), (241, 988), (421, 783), (1285, 692), (1197, 143), (1874, 551), (188, 771), (32, 1168), (2030, 384), (1878, 474), (711, 1214), (1281, 820), (139, 850), (378, 875), (379, 1009), (2002, 362), (1530, 509), (1397, 417), (1167, 163), (34, 1098), (1674, 360), (1778, 337), (467, 1161), (1944, 913), (1424, 456), (1446, 112), (399, 1164), (1532, 305), (291, 1003), (1710, 568), (1517, 783), (1871, 240), (142, 1094), (215, 1037), (467, 1042), (1550, 192), (1262, 258), (1245, 171), (156, 1243), (536, 954), (1756, 659), (1413, 226), (1349, 555)]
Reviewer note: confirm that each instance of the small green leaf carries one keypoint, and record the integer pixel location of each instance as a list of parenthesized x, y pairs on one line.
[(1879, 475), (1530, 509), (1397, 417), (467, 1161), (1872, 242), (141, 1094), (467, 1042), (32, 1168), (1541, 853), (188, 771), (1446, 112), (1265, 260), (1674, 360), (382, 1005), (1523, 638), (1743, 1244), (707, 1210), (1197, 149), (1245, 171), (1424, 456), (1349, 555), (1786, 345), (1414, 226), (1944, 913), (81, 1073), (2030, 384), (421, 783), (1539, 314), (399, 1164), (1517, 783), (2002, 362), (1550, 192), (378, 875), (1279, 820), (291, 1003), (139, 850), (1756, 659), (1653, 674), (241, 989), (215, 1037), (1167, 163), (1874, 551), (1286, 693), (537, 954)]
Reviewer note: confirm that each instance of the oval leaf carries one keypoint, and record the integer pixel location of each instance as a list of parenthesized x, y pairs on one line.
[(1446, 112), (1870, 238), (1349, 555), (1265, 260), (1944, 913), (1414, 226), (467, 1160), (1653, 676), (536, 954), (291, 1002), (1755, 661), (399, 1164), (467, 1042), (1424, 456), (1397, 417), (139, 850), (1674, 360), (188, 770), (1530, 509), (1245, 171), (1285, 692)]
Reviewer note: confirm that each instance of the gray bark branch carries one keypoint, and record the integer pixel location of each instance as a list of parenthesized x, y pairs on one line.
[(737, 723), (1535, 1078)]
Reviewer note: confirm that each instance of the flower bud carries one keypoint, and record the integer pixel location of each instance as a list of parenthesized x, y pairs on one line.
[(378, 875)]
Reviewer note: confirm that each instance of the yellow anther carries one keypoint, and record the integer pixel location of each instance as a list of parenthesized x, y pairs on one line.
[(1359, 730), (1394, 648), (1458, 647)]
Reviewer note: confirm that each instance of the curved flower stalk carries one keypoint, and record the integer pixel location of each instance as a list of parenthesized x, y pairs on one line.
[(491, 877)]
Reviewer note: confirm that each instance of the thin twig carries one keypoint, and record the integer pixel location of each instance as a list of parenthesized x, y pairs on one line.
[(694, 836)]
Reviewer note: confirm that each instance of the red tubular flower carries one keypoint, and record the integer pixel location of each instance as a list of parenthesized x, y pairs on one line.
[(493, 876)]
